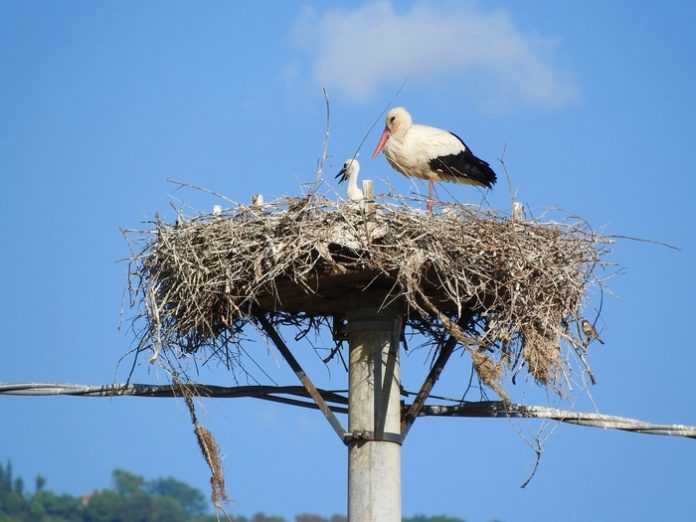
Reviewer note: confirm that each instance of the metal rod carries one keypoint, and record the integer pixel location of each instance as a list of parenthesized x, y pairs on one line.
[(416, 407), (304, 378)]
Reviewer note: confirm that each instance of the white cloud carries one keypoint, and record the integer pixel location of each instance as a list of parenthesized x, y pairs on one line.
[(357, 52)]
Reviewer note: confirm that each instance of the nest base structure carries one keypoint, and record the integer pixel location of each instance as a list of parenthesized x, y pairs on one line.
[(519, 285)]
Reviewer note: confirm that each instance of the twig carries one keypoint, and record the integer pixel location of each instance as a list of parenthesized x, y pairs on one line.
[(641, 240), (381, 114), (325, 142), (201, 189)]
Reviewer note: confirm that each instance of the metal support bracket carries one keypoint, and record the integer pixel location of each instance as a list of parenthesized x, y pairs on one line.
[(414, 410), (304, 378), (361, 436)]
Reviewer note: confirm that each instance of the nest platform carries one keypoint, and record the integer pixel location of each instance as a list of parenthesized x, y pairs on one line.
[(508, 291)]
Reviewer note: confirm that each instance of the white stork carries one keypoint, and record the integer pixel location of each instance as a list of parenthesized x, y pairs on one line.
[(349, 172), (429, 153)]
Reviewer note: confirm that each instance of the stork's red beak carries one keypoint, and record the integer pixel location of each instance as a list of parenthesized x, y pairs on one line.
[(382, 140)]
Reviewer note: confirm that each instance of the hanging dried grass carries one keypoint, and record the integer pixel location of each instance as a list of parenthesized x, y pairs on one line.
[(195, 282)]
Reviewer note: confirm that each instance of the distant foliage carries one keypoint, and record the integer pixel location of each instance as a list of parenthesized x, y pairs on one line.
[(132, 499), (440, 518)]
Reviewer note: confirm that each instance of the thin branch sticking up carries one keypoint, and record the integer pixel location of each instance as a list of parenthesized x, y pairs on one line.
[(325, 143)]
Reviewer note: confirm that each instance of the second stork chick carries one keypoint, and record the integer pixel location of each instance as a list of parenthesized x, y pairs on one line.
[(349, 173)]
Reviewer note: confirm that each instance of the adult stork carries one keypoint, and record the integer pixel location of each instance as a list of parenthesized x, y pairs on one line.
[(349, 173), (429, 153)]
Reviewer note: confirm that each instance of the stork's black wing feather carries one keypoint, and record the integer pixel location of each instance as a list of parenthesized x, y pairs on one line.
[(464, 167)]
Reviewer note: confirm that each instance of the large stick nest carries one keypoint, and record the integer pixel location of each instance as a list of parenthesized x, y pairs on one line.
[(198, 282)]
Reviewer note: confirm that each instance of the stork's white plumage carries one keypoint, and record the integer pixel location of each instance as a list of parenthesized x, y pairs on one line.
[(349, 172), (429, 153)]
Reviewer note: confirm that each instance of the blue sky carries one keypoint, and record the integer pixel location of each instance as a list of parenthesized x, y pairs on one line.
[(101, 102)]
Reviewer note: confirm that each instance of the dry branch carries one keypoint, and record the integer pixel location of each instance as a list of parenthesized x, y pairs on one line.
[(208, 447)]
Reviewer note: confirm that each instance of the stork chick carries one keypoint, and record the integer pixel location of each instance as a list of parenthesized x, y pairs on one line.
[(349, 173)]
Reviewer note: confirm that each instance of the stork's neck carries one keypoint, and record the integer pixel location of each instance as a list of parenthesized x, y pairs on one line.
[(353, 180), (353, 192)]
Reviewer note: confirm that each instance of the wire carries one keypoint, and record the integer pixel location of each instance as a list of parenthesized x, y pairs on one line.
[(595, 420), (271, 393), (278, 394)]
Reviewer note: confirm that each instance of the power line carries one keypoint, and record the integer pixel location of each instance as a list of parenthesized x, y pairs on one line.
[(337, 402), (594, 420), (270, 393)]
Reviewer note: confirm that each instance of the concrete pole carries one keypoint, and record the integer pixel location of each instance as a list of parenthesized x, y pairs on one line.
[(374, 466)]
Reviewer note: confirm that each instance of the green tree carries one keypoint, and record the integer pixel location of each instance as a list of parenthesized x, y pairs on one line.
[(12, 503), (213, 518), (127, 484), (103, 506), (308, 517), (260, 517), (437, 518), (46, 506), (3, 483), (147, 508), (6, 477), (36, 507), (189, 499), (19, 486), (40, 483)]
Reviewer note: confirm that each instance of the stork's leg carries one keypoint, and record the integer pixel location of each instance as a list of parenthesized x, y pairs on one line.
[(430, 195)]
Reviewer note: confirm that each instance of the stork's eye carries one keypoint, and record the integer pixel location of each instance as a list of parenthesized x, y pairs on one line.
[(391, 120)]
